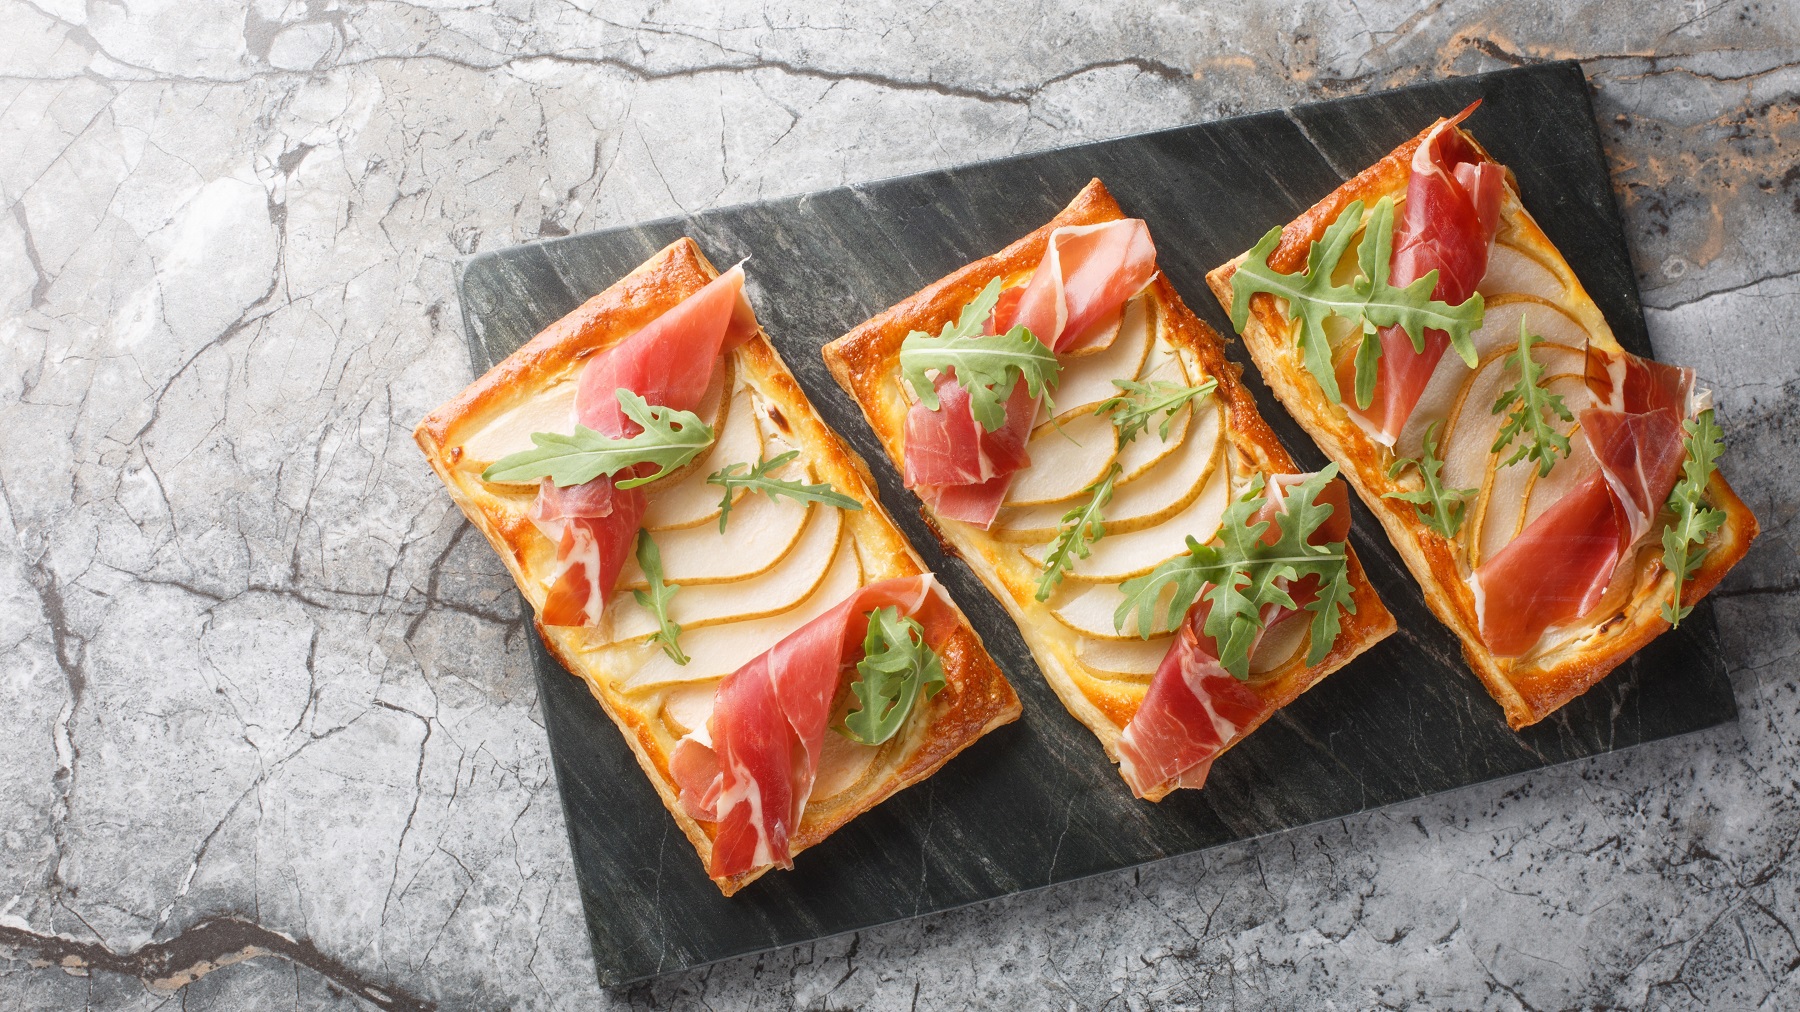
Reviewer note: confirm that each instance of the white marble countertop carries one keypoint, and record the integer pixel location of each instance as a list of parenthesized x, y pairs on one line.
[(271, 736)]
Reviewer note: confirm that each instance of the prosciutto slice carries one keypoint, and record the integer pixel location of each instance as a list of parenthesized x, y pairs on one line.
[(754, 768), (1194, 707), (669, 362), (1072, 301), (1558, 568), (1555, 571), (1625, 382), (1640, 455), (1447, 224)]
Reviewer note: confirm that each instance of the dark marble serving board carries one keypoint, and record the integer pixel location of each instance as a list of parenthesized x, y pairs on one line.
[(1036, 802)]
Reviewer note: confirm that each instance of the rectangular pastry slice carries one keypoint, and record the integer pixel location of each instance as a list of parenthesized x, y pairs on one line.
[(1078, 437), (709, 557), (1556, 496)]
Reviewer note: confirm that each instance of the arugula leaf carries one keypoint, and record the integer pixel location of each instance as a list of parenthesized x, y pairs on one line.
[(758, 479), (987, 366), (896, 667), (1133, 410), (656, 599), (670, 439), (1529, 401), (1241, 576), (1446, 504), (1370, 301), (1694, 521), (1081, 526)]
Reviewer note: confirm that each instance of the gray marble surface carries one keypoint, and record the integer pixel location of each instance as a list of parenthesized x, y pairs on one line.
[(270, 737)]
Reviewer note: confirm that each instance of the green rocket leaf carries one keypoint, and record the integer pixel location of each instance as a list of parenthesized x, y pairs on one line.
[(670, 439)]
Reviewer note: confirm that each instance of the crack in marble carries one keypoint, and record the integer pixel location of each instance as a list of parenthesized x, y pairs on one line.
[(207, 946)]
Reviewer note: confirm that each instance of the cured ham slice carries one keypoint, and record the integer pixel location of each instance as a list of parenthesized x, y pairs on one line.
[(1194, 707), (1640, 456), (754, 768), (1559, 566), (1087, 273), (1072, 302), (669, 362), (1625, 382), (1554, 572), (949, 447), (1447, 224)]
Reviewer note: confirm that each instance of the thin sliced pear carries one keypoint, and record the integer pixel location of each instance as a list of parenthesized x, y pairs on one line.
[(1163, 363), (1119, 557), (1088, 608), (1500, 325), (783, 586), (690, 501), (1497, 338), (1137, 659), (688, 707), (1562, 478), (1504, 501), (1280, 642), (760, 533), (718, 650), (1513, 272), (1131, 660), (1137, 457), (1088, 379), (842, 765), (1470, 424), (1066, 456), (1153, 499), (551, 409)]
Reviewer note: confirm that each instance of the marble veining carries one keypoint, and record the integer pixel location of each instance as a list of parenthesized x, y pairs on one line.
[(273, 737)]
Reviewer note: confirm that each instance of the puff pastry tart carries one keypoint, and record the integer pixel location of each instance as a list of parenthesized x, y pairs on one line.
[(1077, 436), (1556, 496), (702, 551)]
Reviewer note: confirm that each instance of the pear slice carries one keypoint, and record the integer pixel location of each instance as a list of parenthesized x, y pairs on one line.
[(1149, 448), (1087, 380), (783, 586), (1163, 365), (1127, 660), (1280, 642), (1500, 324), (1471, 425), (718, 650), (1505, 496), (1088, 608), (1156, 497), (1066, 456), (1119, 557), (842, 765), (690, 501), (761, 531), (687, 707), (1511, 271), (1498, 336), (551, 409), (1544, 492)]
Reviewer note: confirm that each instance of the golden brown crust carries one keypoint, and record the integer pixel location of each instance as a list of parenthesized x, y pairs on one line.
[(976, 698), (1528, 691), (865, 362)]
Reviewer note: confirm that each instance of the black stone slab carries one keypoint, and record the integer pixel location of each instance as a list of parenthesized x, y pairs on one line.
[(1036, 802)]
